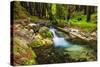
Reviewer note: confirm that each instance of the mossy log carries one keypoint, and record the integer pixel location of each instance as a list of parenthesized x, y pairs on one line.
[(61, 29)]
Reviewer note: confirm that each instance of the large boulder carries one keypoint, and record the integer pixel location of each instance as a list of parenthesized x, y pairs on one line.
[(44, 31), (41, 42), (22, 54)]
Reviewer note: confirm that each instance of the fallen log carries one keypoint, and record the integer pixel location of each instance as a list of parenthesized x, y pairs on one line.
[(61, 29)]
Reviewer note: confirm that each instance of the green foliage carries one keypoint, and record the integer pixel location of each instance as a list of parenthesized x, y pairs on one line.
[(83, 25), (53, 8), (48, 34), (79, 21), (41, 42), (29, 62), (44, 31)]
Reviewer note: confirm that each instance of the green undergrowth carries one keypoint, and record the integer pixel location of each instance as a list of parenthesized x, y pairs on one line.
[(84, 26), (79, 21)]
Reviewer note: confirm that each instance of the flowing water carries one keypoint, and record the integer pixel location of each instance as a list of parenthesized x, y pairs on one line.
[(76, 51), (61, 42)]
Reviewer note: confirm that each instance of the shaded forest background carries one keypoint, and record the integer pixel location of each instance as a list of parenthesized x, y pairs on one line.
[(58, 14)]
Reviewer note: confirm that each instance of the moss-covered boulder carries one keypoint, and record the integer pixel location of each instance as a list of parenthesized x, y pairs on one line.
[(37, 43), (41, 42), (22, 54), (44, 31)]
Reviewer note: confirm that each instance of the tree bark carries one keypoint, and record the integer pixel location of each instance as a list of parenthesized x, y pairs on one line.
[(88, 13)]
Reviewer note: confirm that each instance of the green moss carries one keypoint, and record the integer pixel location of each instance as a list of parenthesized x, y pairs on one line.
[(49, 34), (29, 62), (37, 43), (53, 8), (25, 54), (44, 31), (61, 29), (94, 17)]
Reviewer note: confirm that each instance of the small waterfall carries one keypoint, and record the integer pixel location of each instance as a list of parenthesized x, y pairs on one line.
[(59, 41), (53, 31)]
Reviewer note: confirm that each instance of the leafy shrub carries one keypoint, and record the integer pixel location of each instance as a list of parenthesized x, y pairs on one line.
[(49, 34)]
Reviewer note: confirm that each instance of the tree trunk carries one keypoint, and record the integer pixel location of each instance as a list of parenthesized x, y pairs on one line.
[(88, 13), (85, 10), (68, 17)]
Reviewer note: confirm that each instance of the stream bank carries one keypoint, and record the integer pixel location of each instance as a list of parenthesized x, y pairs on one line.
[(51, 46), (63, 51)]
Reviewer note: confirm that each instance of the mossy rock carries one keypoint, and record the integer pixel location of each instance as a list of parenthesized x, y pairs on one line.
[(41, 42), (43, 29), (37, 43), (44, 32), (59, 34), (23, 55)]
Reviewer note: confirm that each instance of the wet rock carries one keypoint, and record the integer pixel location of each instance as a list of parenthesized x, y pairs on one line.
[(59, 34)]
